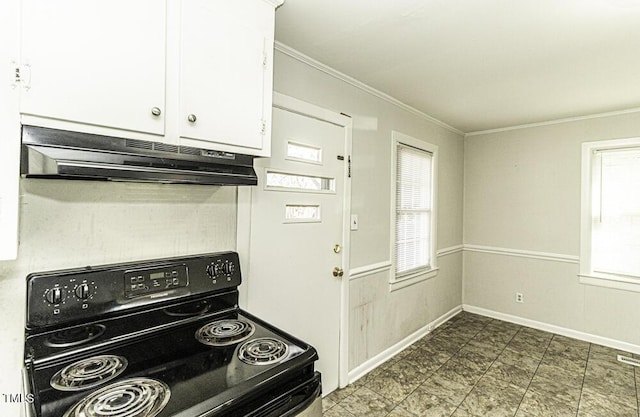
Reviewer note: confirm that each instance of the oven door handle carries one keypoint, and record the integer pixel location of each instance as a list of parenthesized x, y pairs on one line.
[(304, 408), (298, 401)]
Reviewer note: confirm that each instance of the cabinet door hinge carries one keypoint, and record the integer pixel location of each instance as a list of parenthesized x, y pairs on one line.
[(265, 60), (263, 127)]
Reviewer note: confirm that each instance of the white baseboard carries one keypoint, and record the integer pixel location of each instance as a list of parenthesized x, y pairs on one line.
[(563, 331), (367, 366)]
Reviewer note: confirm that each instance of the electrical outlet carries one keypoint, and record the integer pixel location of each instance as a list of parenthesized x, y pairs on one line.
[(519, 297)]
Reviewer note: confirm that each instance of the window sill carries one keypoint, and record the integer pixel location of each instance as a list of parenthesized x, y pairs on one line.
[(611, 281), (412, 278)]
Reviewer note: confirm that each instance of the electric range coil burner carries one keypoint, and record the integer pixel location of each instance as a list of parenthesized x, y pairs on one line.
[(263, 351), (88, 373), (134, 397), (225, 332), (75, 336)]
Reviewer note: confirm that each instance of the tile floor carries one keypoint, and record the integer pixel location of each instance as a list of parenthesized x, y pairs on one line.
[(477, 366)]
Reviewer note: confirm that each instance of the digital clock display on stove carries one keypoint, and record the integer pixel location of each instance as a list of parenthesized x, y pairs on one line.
[(156, 275), (143, 282)]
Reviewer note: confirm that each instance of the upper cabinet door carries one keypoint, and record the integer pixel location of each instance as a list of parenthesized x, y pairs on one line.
[(98, 63), (226, 74)]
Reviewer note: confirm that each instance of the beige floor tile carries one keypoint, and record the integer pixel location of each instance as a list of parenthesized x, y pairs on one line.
[(398, 381), (510, 373), (474, 366), (424, 404), (570, 348), (337, 411), (610, 372), (519, 359), (555, 373), (493, 398), (478, 362), (539, 405), (461, 413), (544, 387), (459, 372), (596, 404), (366, 403), (327, 403), (489, 349), (622, 394), (448, 389), (520, 345), (400, 412)]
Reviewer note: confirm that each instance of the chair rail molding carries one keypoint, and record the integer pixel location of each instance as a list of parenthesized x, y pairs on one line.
[(546, 256)]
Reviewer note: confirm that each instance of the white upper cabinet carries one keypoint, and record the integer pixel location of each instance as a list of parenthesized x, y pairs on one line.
[(96, 63), (226, 50), (9, 132), (191, 72)]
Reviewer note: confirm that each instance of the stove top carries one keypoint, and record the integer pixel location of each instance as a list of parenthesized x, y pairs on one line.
[(133, 397), (197, 354), (194, 372)]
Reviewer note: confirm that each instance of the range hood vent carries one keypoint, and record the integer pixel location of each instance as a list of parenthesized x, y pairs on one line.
[(59, 154)]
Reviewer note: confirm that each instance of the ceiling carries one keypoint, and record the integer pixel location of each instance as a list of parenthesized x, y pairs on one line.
[(478, 64)]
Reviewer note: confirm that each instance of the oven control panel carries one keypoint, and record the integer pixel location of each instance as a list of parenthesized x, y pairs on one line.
[(84, 294), (140, 282)]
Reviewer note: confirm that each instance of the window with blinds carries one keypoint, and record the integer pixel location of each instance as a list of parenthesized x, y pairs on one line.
[(414, 196), (610, 220), (615, 232)]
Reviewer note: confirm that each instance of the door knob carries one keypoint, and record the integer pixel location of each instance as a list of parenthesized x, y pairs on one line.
[(192, 118), (338, 272)]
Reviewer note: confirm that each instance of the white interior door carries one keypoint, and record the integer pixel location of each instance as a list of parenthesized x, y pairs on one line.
[(297, 215)]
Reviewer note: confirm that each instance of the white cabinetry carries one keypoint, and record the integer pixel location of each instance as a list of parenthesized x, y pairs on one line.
[(226, 73), (193, 72), (9, 132), (94, 63)]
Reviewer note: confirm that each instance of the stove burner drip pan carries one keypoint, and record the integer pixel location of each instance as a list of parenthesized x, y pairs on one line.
[(225, 332), (88, 373), (135, 397), (75, 336), (263, 351)]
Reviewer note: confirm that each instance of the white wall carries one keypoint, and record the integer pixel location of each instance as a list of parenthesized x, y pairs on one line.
[(378, 318), (66, 224), (522, 193)]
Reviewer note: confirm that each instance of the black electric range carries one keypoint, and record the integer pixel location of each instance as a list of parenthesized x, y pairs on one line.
[(159, 338)]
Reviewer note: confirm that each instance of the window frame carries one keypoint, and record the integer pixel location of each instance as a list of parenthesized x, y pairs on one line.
[(398, 281), (586, 274)]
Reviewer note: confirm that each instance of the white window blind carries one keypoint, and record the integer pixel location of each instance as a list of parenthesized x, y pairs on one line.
[(615, 233), (413, 209)]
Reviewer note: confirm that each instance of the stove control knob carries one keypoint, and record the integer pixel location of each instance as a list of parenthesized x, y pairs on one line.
[(229, 268), (212, 270), (82, 291), (55, 295)]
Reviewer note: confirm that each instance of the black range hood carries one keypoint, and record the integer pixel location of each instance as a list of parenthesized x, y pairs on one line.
[(60, 154)]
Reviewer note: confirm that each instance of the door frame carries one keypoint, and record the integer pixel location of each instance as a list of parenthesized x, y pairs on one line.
[(243, 229)]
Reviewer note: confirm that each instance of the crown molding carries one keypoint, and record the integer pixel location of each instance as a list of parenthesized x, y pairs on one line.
[(554, 122), (295, 54), (274, 3)]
